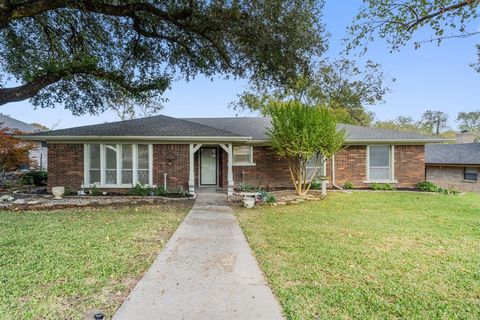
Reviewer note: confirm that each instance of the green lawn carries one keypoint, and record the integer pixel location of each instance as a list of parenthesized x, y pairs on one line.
[(382, 255), (66, 264)]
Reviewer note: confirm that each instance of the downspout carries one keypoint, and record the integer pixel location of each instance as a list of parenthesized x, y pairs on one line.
[(333, 174)]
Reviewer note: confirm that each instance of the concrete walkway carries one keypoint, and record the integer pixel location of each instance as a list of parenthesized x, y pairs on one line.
[(206, 271)]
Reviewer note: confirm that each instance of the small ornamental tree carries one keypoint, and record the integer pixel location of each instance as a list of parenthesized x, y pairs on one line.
[(298, 133), (13, 152)]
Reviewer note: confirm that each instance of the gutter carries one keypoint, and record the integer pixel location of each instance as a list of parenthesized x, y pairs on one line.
[(333, 174)]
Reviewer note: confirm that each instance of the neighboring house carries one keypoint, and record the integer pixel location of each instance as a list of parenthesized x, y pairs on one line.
[(38, 155), (453, 165), (466, 137), (217, 152)]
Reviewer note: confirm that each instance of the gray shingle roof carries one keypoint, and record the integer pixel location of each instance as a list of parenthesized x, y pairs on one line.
[(466, 153), (161, 126), (14, 124), (256, 127)]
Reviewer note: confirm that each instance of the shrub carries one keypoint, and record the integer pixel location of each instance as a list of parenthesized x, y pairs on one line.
[(245, 187), (94, 192), (316, 185), (69, 191), (427, 186), (160, 191), (381, 186), (265, 197), (348, 185), (140, 190), (36, 178)]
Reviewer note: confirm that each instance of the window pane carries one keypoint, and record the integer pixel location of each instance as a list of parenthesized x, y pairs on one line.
[(379, 156), (143, 176), (143, 156), (95, 177), (127, 156), (95, 156), (379, 173), (470, 174), (127, 177), (111, 177), (242, 154), (111, 156)]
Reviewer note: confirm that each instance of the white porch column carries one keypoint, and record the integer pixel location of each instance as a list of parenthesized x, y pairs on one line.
[(191, 172), (230, 170)]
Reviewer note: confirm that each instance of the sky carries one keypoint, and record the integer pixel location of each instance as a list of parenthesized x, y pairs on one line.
[(433, 77)]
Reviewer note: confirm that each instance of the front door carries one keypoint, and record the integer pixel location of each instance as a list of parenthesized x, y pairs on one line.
[(208, 166)]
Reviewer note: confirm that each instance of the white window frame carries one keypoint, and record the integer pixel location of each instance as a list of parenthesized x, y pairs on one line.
[(250, 163), (391, 163), (86, 166)]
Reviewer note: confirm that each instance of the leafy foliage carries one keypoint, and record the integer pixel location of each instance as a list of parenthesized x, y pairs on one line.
[(84, 53), (13, 152), (140, 190), (397, 21), (298, 133), (382, 186), (37, 178), (427, 186), (434, 121), (469, 121), (348, 185), (265, 197), (245, 187), (341, 85)]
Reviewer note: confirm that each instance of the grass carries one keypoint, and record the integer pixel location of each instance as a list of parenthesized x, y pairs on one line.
[(371, 255), (68, 264)]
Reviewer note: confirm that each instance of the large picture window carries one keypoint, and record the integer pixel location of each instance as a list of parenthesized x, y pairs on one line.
[(242, 155), (380, 163), (118, 165)]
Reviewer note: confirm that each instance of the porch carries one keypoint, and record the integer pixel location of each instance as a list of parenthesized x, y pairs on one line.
[(211, 167)]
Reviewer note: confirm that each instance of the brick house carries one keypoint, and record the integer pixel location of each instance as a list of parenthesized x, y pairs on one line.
[(454, 166), (218, 152)]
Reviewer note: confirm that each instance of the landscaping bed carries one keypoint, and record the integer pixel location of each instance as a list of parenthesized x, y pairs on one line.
[(70, 264), (371, 255)]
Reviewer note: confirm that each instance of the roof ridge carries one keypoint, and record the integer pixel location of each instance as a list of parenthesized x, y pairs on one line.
[(203, 125)]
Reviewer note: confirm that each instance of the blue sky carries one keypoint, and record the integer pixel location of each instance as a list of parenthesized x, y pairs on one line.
[(432, 77)]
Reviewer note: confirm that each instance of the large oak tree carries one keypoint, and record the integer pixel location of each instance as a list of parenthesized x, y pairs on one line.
[(81, 53)]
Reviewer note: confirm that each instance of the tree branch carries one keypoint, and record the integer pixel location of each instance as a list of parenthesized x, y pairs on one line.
[(441, 12), (30, 89)]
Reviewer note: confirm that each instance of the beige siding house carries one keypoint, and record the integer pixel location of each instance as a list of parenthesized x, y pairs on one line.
[(454, 166)]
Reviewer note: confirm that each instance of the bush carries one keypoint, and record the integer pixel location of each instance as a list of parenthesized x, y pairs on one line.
[(140, 190), (245, 187), (348, 185), (427, 186), (36, 178), (381, 186), (160, 191), (265, 197), (316, 185), (94, 192)]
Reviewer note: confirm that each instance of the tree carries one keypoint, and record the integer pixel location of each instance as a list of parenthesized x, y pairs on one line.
[(402, 123), (341, 85), (469, 121), (127, 109), (298, 133), (434, 121), (397, 22), (40, 127), (13, 153), (82, 52)]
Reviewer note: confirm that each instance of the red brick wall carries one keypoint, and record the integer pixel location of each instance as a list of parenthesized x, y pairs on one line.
[(409, 165), (350, 165), (65, 165), (270, 171), (172, 159)]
